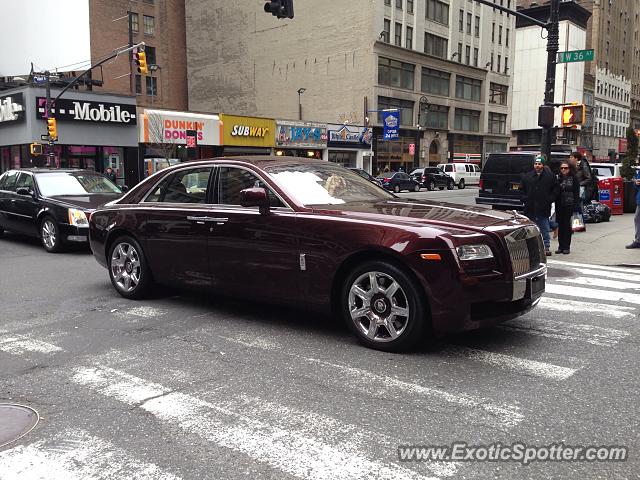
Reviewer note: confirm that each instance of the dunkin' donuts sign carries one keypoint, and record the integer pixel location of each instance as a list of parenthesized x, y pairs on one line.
[(161, 126)]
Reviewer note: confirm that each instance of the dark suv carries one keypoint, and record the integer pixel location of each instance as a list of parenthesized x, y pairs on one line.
[(432, 177), (501, 176)]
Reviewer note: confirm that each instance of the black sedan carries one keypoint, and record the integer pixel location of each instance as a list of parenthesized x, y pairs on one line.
[(432, 177), (398, 181), (52, 204)]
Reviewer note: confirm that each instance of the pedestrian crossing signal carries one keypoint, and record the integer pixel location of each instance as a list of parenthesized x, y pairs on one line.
[(35, 149), (141, 61), (573, 115)]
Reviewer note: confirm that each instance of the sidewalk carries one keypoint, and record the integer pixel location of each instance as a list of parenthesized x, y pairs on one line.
[(603, 243)]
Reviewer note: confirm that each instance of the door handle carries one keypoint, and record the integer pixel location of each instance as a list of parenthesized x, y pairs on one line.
[(203, 220)]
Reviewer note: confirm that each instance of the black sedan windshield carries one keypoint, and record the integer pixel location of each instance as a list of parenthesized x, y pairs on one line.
[(325, 184), (64, 183)]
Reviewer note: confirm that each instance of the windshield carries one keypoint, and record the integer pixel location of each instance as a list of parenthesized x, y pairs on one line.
[(603, 171), (318, 184), (62, 183)]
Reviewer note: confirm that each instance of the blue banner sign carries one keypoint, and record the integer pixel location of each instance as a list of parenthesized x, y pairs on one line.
[(391, 121)]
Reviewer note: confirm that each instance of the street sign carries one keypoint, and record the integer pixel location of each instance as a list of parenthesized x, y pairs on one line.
[(575, 56)]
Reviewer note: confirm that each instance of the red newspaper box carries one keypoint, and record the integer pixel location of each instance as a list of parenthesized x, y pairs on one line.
[(612, 193)]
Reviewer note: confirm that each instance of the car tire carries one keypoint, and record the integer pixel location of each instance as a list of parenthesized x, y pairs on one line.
[(450, 185), (128, 268), (362, 304), (396, 189), (431, 186), (50, 235), (416, 188), (461, 184)]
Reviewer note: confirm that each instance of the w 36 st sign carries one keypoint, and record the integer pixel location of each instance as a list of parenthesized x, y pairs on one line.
[(575, 56)]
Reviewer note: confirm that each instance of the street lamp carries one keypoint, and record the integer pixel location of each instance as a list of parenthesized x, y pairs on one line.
[(300, 92)]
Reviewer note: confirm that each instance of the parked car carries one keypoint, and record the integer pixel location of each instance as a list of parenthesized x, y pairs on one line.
[(366, 175), (501, 176), (398, 181), (432, 177), (315, 234), (463, 174), (606, 170), (52, 204)]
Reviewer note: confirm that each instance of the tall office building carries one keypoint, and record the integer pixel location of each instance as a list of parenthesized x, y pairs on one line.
[(344, 62)]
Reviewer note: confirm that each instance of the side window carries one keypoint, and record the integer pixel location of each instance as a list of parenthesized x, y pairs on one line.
[(9, 182), (186, 186), (476, 168), (3, 177), (448, 168), (233, 180), (25, 180)]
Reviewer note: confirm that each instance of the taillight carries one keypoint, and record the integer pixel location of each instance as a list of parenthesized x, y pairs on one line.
[(481, 184)]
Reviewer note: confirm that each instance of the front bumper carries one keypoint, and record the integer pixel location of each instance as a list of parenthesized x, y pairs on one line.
[(71, 233)]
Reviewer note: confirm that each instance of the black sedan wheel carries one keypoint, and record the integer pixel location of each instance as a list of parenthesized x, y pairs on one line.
[(396, 189), (50, 235), (461, 184), (450, 185), (431, 186), (383, 307), (416, 187), (128, 268)]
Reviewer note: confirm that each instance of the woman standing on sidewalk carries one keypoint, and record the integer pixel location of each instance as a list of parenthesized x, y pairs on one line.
[(568, 202)]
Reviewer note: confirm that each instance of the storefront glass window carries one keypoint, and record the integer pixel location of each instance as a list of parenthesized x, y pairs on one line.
[(346, 159)]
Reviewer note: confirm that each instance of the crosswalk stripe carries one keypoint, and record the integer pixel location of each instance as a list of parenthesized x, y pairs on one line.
[(590, 293), (20, 344), (287, 450), (594, 267), (509, 362), (75, 455), (594, 335), (359, 379), (586, 307), (629, 277), (599, 282)]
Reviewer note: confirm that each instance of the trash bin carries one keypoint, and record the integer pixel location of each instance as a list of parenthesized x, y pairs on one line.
[(611, 194)]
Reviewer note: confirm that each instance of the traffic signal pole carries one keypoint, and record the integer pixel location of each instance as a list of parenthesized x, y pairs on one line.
[(552, 27)]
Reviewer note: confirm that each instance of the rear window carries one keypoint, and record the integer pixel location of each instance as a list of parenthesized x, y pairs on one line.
[(506, 164), (603, 171)]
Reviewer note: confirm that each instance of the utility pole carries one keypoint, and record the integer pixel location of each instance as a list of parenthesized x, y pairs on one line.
[(47, 115), (131, 76)]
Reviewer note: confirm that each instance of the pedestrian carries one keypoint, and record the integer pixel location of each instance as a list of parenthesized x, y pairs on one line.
[(636, 218), (568, 202), (110, 174), (539, 191), (583, 174)]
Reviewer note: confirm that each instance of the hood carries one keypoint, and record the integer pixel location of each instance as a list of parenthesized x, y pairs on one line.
[(90, 201), (419, 213)]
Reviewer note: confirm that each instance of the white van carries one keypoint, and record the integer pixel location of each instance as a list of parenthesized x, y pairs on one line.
[(606, 170), (462, 173)]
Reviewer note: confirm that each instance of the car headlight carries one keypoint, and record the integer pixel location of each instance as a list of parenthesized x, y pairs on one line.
[(77, 218), (474, 252)]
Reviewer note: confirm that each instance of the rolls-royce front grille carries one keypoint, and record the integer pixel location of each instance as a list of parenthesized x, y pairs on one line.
[(526, 250)]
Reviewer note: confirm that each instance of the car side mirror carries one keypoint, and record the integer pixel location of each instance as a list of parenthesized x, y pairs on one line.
[(27, 192), (124, 188), (255, 197)]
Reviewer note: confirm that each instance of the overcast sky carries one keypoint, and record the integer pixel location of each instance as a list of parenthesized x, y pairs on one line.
[(49, 33)]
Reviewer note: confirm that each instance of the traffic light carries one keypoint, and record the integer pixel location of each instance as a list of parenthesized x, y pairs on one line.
[(52, 128), (573, 115), (35, 149), (280, 8), (141, 61)]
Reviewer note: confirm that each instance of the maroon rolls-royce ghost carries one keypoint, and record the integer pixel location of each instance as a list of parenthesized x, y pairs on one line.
[(314, 233)]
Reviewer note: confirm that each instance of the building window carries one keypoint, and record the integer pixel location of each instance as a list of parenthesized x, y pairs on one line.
[(405, 107), (461, 21), (149, 24), (468, 120), (438, 117), (475, 57), (151, 55), (493, 33), (152, 86), (497, 123), (506, 38), (460, 52), (435, 82), (399, 4), (435, 45), (393, 73), (410, 6), (398, 35), (386, 33), (467, 55), (500, 35), (498, 93), (498, 69), (506, 65), (438, 12), (409, 38), (135, 22), (491, 61), (477, 27), (468, 88), (469, 17), (387, 2), (138, 85)]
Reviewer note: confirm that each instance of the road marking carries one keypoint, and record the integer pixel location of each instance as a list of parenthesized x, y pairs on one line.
[(509, 362), (288, 450), (599, 282), (599, 336), (594, 267), (499, 415), (629, 277), (75, 454), (589, 293), (21, 344), (144, 311), (580, 307)]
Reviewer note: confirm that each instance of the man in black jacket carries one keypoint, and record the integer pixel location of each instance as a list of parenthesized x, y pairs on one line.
[(539, 191)]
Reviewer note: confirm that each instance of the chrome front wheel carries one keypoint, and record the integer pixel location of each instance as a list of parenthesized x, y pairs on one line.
[(50, 235), (128, 269)]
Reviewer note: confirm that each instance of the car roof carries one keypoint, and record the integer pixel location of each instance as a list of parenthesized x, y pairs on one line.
[(260, 161), (53, 170)]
